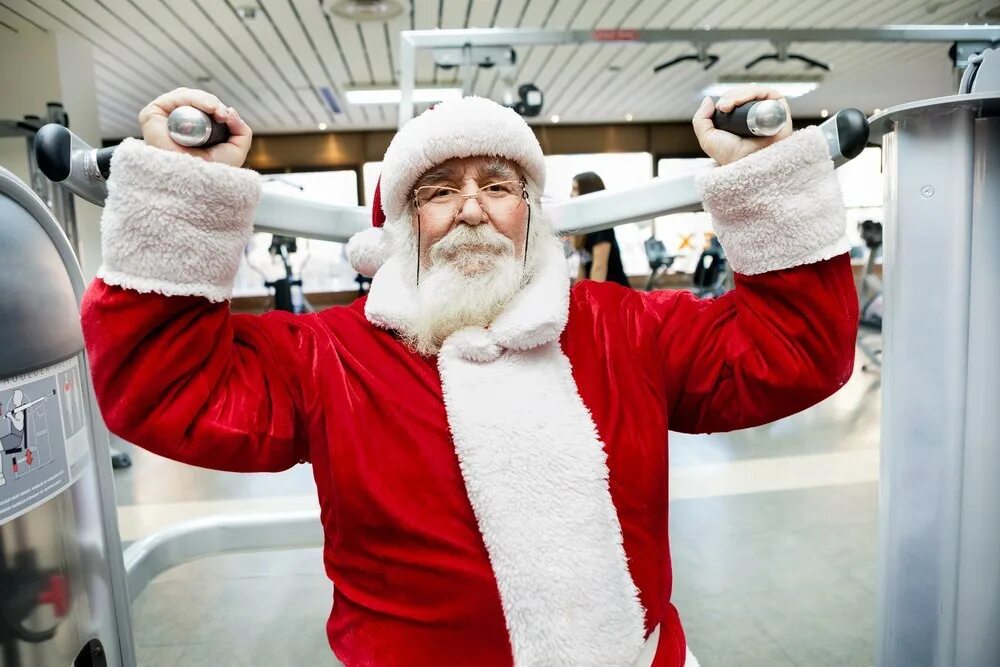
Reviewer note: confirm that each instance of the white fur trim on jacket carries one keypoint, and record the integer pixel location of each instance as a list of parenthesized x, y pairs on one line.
[(175, 224), (779, 207), (537, 477), (535, 471), (456, 129)]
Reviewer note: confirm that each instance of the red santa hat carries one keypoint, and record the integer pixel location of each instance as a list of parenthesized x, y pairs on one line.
[(467, 127)]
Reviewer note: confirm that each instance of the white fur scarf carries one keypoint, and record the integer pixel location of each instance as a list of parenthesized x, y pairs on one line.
[(536, 474)]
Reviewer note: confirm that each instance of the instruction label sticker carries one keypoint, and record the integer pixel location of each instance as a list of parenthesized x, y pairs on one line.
[(44, 440)]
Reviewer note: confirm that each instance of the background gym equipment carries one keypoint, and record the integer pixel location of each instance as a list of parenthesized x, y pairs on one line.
[(870, 296), (711, 275)]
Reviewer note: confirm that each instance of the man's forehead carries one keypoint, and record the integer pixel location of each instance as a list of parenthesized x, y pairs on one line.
[(476, 166)]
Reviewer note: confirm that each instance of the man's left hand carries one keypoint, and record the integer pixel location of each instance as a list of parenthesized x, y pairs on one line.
[(724, 147)]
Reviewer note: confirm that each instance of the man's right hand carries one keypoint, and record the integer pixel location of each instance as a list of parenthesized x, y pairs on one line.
[(153, 123)]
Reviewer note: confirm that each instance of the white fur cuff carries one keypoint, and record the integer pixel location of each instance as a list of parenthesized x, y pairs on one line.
[(779, 207), (175, 224)]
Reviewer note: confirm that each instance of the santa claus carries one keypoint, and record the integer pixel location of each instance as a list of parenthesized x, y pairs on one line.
[(489, 443)]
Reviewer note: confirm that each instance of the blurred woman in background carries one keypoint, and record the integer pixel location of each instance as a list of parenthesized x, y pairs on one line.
[(600, 257)]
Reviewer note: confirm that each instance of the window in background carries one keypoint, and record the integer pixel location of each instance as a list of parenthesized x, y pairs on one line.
[(323, 265), (861, 182), (687, 234), (617, 170)]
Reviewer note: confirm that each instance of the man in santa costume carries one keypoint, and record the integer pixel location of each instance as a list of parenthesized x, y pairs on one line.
[(489, 445)]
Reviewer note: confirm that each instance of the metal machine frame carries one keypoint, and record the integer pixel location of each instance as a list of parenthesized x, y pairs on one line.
[(412, 40)]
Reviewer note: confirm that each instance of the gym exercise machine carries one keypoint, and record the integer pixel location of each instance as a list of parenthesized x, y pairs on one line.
[(940, 541), (938, 590), (59, 200)]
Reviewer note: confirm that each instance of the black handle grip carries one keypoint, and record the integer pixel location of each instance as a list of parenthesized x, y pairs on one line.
[(53, 148), (104, 160), (220, 134), (757, 118), (734, 121), (852, 130)]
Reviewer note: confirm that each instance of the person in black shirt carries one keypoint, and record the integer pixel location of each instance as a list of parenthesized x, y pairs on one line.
[(600, 257)]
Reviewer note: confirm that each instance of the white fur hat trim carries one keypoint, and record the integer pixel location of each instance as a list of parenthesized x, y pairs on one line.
[(461, 128)]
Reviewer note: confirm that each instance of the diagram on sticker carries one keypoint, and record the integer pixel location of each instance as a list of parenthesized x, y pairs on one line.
[(24, 433), (71, 400)]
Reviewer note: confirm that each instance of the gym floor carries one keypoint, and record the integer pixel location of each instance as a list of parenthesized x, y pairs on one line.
[(773, 534)]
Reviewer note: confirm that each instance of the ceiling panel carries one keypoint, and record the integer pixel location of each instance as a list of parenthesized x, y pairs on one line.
[(508, 15), (277, 68), (18, 23)]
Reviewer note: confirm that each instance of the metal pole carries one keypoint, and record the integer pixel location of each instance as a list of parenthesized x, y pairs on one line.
[(466, 71), (407, 75), (424, 39)]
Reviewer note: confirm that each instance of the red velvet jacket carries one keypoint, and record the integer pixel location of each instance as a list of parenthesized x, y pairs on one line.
[(449, 542)]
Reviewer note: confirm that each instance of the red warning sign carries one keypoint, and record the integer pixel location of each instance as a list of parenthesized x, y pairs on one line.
[(616, 35)]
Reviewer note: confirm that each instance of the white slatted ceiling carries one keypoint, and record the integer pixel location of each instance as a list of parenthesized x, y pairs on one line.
[(452, 16), (508, 15), (16, 22), (331, 56), (590, 60), (425, 17), (481, 16), (272, 68)]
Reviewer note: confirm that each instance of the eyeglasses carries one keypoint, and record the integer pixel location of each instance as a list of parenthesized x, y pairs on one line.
[(442, 203)]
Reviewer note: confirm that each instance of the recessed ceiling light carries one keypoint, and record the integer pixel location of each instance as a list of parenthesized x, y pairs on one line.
[(393, 95), (364, 10), (322, 126), (786, 88), (823, 113), (628, 118), (555, 118), (247, 12)]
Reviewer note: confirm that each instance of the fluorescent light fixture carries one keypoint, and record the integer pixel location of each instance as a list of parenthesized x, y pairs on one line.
[(393, 95), (786, 88)]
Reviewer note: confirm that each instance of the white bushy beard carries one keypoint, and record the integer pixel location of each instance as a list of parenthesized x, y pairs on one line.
[(473, 274)]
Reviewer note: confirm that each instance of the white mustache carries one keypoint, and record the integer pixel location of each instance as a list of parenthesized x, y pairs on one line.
[(482, 238)]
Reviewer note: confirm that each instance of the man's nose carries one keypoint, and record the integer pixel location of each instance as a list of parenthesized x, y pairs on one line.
[(471, 212)]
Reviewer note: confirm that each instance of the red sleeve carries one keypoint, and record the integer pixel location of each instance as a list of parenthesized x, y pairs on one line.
[(775, 345), (182, 377)]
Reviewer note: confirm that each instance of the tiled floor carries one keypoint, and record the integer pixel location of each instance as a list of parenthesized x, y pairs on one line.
[(772, 532)]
